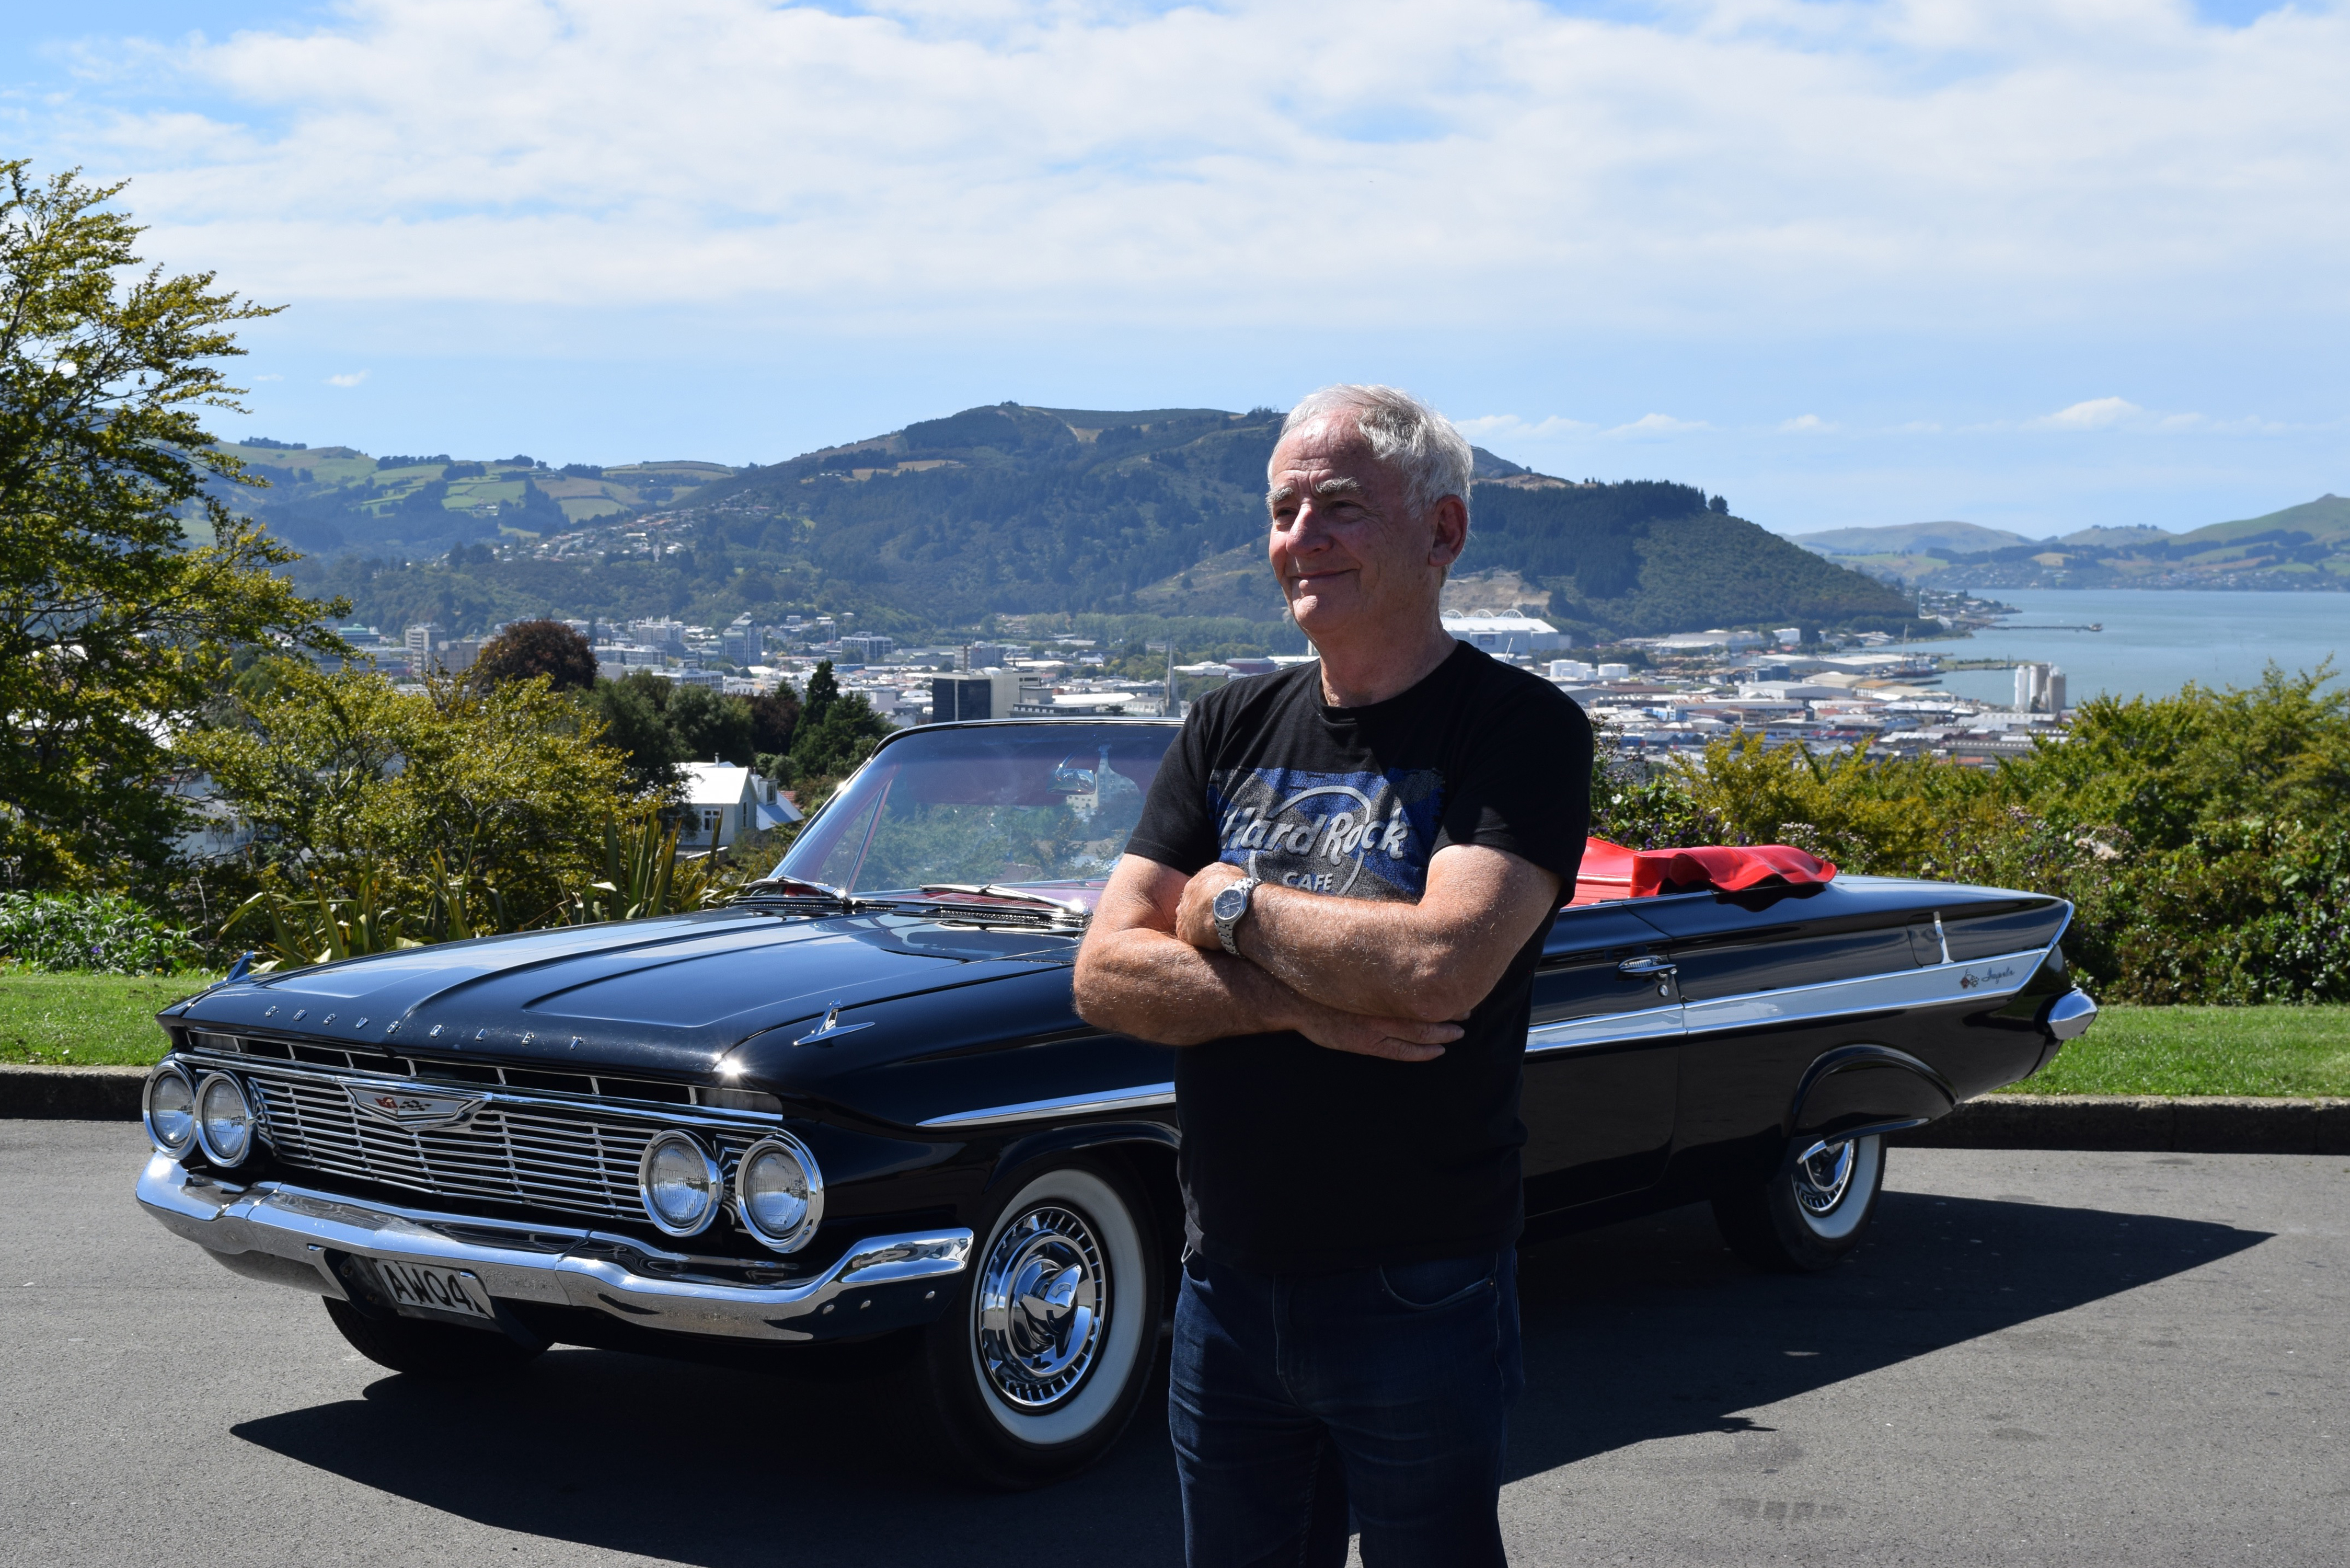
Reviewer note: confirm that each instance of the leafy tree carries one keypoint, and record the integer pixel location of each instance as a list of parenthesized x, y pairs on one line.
[(485, 804), (823, 691), (113, 627), (534, 647), (634, 712), (657, 724), (709, 727), (774, 717), (836, 731)]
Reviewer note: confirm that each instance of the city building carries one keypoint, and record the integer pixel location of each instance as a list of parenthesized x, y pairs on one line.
[(664, 633), (988, 694), (427, 651), (1702, 641), (985, 656), (743, 643), (723, 802), (1508, 634), (2039, 688), (867, 647)]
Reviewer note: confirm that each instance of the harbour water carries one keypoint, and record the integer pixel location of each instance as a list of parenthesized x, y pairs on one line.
[(2153, 641)]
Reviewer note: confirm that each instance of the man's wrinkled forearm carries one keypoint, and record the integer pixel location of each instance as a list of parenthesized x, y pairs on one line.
[(1354, 954), (1153, 987)]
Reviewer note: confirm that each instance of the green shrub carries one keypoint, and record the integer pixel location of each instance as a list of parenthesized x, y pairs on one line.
[(2204, 839), (100, 932)]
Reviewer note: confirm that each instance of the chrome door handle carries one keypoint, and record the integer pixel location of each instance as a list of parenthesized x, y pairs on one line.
[(1644, 965)]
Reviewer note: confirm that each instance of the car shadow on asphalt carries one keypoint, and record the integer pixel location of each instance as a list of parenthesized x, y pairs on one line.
[(1651, 1329), (1646, 1329)]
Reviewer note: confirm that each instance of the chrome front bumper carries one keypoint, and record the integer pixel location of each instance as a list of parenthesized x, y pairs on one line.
[(274, 1232)]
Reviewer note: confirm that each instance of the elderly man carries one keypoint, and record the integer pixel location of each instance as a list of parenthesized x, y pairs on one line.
[(1335, 899)]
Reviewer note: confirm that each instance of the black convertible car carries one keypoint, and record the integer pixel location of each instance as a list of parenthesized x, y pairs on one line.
[(855, 1107)]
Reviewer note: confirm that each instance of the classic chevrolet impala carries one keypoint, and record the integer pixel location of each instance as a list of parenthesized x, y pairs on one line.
[(856, 1106)]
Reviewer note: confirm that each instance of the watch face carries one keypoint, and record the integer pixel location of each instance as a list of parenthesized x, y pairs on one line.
[(1231, 903)]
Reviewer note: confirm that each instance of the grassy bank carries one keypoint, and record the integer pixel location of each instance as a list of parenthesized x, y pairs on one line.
[(2205, 1051), (86, 1019), (99, 1019)]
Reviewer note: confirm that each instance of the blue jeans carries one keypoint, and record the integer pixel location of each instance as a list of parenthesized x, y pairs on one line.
[(1387, 1391)]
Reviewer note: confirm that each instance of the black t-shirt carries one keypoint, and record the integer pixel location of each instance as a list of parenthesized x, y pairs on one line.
[(1298, 1159)]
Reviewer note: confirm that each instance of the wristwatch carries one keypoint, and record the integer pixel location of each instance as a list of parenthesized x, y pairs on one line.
[(1230, 907)]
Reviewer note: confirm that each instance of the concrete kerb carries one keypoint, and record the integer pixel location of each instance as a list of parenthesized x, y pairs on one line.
[(71, 1094), (2216, 1125)]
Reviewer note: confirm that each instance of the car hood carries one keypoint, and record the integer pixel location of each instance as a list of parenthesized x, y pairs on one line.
[(669, 995)]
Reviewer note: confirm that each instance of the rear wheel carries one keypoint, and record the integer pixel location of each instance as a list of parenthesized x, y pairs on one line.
[(1811, 1216), (1045, 1356), (440, 1352)]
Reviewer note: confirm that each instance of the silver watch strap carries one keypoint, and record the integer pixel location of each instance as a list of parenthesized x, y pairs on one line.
[(1228, 931)]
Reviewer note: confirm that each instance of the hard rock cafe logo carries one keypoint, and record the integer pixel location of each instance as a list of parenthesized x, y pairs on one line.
[(1363, 836)]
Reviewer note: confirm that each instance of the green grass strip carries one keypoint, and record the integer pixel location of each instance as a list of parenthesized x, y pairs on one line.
[(94, 1020), (86, 1019), (2290, 1051)]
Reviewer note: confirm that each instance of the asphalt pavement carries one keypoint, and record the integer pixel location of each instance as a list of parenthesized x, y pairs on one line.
[(2039, 1357)]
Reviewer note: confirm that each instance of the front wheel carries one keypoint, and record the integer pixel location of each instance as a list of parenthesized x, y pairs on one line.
[(1046, 1355), (1810, 1217)]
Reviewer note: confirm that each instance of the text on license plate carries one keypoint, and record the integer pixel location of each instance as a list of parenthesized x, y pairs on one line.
[(415, 1288)]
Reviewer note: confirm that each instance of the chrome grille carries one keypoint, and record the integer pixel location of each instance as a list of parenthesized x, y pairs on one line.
[(574, 1161)]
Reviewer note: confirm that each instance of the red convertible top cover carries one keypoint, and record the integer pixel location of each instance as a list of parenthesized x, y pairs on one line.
[(1610, 871)]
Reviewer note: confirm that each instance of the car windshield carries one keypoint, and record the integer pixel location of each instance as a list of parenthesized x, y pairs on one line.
[(1045, 808)]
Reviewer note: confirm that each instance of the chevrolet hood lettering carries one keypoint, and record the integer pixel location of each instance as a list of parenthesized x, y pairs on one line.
[(407, 1109)]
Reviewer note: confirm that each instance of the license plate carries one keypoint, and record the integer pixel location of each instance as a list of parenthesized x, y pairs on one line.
[(419, 1289)]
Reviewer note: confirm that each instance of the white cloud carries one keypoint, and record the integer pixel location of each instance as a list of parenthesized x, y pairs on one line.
[(349, 378), (1510, 426), (1480, 162), (2096, 414), (1660, 425), (1805, 424)]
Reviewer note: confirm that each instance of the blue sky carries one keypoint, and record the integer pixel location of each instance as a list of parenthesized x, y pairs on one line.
[(2035, 264)]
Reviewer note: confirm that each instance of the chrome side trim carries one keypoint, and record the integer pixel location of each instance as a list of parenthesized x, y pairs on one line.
[(1064, 1105), (1978, 979), (560, 1265), (1605, 1029)]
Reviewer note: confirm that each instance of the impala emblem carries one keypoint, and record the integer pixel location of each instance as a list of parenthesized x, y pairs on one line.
[(412, 1110)]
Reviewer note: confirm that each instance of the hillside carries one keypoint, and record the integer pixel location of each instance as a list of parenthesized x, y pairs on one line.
[(2300, 547), (1002, 510), (1908, 538), (333, 500)]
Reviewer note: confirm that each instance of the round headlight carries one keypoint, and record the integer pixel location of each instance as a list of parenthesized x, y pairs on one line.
[(169, 1109), (681, 1184), (779, 1192), (223, 1119)]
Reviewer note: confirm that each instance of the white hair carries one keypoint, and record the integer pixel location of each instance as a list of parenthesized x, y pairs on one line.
[(1402, 431)]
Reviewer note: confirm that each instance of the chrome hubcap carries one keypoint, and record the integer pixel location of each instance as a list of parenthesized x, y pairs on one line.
[(1822, 1175), (1044, 1297)]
